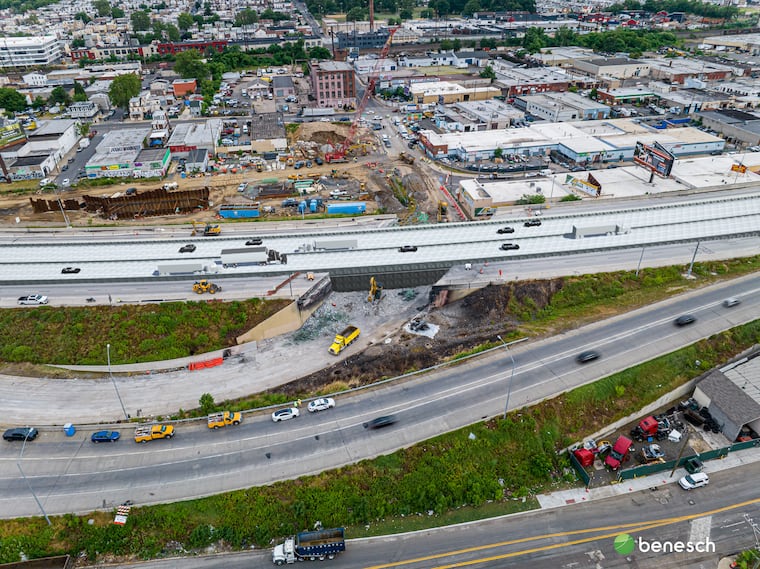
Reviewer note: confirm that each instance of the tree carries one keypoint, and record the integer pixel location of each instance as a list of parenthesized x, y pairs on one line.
[(123, 88), (172, 32), (117, 12), (77, 43), (38, 103), (79, 94), (246, 17), (84, 18), (564, 36), (59, 96), (534, 40), (498, 153), (488, 73), (11, 100), (102, 7), (319, 52), (140, 21), (83, 128), (184, 21), (189, 65), (471, 7), (355, 14)]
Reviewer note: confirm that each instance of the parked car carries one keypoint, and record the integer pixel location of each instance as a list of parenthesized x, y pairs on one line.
[(105, 437), (696, 480), (64, 167), (130, 191), (242, 187), (509, 246), (254, 241), (66, 183), (319, 161), (733, 301), (70, 270), (532, 223), (407, 249), (189, 248), (503, 230), (21, 434), (685, 320), (285, 414), (587, 356), (321, 404), (380, 422)]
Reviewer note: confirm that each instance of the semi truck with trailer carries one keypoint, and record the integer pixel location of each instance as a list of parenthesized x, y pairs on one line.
[(344, 339), (247, 256), (336, 245), (311, 546)]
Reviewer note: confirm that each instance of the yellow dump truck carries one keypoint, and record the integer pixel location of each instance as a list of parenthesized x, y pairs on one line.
[(145, 433), (218, 420), (344, 339)]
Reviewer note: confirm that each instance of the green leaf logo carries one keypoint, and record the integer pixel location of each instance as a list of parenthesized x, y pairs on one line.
[(624, 544)]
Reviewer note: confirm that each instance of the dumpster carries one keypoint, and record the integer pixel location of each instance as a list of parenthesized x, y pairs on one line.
[(693, 465)]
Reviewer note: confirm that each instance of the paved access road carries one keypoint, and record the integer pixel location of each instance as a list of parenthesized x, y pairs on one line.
[(577, 536), (71, 474)]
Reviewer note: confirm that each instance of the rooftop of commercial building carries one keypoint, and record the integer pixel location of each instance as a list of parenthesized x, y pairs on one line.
[(51, 127), (333, 66), (119, 147), (196, 134)]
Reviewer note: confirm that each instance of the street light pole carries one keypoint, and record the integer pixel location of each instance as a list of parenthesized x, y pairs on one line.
[(29, 484), (118, 395), (511, 377)]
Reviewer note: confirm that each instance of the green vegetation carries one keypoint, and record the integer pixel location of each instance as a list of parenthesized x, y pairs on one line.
[(123, 88), (749, 559), (570, 198), (611, 42), (530, 199), (11, 100), (482, 470), (72, 335), (694, 7)]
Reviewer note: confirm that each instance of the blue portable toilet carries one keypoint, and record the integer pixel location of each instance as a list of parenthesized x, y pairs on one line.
[(183, 175), (69, 429), (313, 206), (302, 207)]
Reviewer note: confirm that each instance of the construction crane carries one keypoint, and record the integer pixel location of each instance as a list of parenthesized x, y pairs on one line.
[(339, 154)]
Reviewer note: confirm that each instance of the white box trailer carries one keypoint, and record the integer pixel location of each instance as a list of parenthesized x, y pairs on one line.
[(590, 231), (180, 268), (337, 245), (247, 256)]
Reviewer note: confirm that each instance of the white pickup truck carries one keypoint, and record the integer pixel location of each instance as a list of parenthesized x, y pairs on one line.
[(34, 299)]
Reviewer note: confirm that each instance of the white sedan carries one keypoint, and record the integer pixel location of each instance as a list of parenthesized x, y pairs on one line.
[(321, 404), (285, 414)]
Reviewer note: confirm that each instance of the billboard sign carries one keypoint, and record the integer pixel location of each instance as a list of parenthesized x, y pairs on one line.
[(10, 134), (656, 158)]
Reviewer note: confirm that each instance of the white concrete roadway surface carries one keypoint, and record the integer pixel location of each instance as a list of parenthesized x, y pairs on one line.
[(40, 401)]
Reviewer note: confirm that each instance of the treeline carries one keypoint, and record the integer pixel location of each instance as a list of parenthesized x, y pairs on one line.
[(24, 6), (628, 41), (405, 8), (694, 7)]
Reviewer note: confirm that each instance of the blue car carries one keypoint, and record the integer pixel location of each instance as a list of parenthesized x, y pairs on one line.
[(105, 437)]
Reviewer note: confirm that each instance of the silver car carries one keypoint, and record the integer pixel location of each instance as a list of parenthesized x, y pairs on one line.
[(285, 414), (321, 404)]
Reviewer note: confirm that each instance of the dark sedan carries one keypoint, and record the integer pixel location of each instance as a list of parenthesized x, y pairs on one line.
[(505, 230), (70, 270), (254, 241), (21, 434), (685, 320), (105, 437), (532, 223), (380, 422), (407, 249), (509, 246), (587, 356), (189, 248)]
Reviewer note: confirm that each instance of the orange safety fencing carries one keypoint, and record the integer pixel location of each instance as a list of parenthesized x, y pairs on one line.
[(204, 364)]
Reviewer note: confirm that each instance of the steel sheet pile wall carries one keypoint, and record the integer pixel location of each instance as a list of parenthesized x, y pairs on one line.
[(150, 203), (44, 206)]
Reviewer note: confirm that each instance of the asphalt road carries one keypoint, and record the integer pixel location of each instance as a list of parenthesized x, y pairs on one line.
[(577, 536), (70, 474)]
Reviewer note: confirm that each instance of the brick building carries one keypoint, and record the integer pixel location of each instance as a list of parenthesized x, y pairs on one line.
[(333, 84)]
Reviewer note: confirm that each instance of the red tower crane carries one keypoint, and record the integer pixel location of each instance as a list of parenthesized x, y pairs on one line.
[(339, 154)]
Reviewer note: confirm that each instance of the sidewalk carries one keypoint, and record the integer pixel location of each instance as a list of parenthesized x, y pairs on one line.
[(579, 495)]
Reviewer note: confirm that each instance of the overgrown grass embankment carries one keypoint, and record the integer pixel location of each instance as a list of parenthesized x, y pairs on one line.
[(137, 333)]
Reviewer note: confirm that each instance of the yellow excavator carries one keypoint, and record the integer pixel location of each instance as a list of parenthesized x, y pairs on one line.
[(206, 286), (208, 230), (375, 290)]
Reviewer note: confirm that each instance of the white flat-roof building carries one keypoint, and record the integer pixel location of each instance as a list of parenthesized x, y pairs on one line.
[(562, 107), (29, 51)]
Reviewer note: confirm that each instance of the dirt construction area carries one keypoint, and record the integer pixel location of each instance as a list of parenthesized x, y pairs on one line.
[(384, 182), (389, 345)]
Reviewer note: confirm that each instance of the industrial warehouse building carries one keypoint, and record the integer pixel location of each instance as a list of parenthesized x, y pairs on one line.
[(121, 155), (582, 142)]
